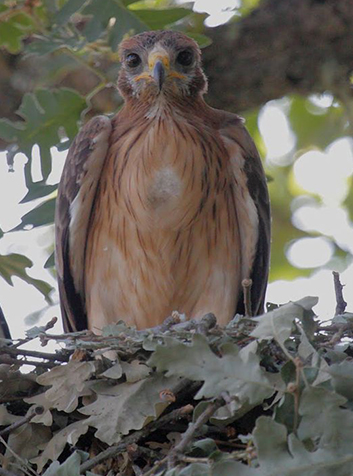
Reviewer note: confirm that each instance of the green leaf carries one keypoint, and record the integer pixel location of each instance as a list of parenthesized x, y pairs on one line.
[(282, 455), (342, 378), (38, 190), (41, 215), (201, 40), (247, 6), (15, 265), (44, 114), (236, 372), (159, 19), (277, 324), (43, 45), (70, 7), (324, 420), (195, 469), (12, 31), (102, 14), (204, 447)]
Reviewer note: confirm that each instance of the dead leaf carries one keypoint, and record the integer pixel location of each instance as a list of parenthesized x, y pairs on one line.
[(56, 445), (67, 384), (125, 407), (135, 371)]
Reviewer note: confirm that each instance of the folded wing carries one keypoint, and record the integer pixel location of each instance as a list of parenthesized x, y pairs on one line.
[(257, 213), (74, 205)]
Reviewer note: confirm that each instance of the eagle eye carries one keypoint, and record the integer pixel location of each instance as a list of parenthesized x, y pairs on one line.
[(132, 60), (185, 58)]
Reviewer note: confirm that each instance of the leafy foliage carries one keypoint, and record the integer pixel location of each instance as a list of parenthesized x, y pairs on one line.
[(15, 264), (14, 28), (159, 402), (44, 114), (234, 371)]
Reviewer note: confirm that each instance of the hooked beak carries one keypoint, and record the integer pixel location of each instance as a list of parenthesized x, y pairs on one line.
[(158, 73), (159, 66)]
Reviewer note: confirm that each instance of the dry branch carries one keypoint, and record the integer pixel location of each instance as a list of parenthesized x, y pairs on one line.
[(38, 410), (340, 302), (188, 436)]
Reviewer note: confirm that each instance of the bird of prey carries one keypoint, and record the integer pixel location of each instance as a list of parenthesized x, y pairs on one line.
[(164, 206)]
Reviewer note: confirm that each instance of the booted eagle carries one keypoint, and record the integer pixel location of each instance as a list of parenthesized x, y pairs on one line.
[(164, 206)]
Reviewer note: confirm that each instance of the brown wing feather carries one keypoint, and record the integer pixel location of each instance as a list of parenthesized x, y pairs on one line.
[(74, 204), (232, 126)]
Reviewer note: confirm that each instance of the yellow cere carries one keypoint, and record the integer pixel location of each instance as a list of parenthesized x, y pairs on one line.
[(152, 60), (154, 57)]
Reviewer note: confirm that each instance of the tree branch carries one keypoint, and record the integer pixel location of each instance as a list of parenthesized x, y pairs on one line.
[(246, 285), (34, 353), (188, 436), (38, 410), (282, 47), (340, 302)]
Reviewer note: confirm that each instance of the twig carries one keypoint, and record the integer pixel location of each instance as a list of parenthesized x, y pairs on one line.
[(38, 410), (193, 428), (207, 322), (341, 330), (247, 283), (340, 302), (156, 466), (184, 459), (48, 325), (191, 459), (23, 464), (34, 353), (135, 437), (169, 322), (7, 359)]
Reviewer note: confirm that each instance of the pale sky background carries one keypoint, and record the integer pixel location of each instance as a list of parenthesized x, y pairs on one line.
[(331, 184)]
